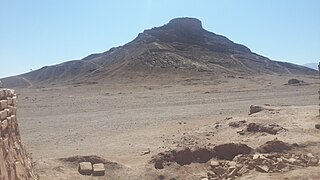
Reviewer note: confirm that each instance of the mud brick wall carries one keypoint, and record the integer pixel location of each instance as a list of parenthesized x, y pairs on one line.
[(15, 163)]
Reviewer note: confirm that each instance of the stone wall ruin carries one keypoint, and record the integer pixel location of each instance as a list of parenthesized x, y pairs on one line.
[(15, 163)]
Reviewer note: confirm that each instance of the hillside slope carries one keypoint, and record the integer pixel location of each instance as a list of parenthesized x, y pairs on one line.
[(181, 46)]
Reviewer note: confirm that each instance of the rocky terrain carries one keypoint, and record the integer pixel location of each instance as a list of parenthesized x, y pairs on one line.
[(128, 126)]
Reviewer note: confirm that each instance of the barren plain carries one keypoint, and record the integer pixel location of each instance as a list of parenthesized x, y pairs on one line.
[(126, 123)]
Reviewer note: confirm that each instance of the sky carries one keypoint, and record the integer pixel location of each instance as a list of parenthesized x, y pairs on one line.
[(36, 33)]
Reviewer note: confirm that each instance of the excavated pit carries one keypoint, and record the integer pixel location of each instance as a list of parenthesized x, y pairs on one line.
[(186, 156)]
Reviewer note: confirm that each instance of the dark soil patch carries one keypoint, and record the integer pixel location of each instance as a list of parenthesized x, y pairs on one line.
[(186, 156), (230, 150), (75, 160), (275, 146)]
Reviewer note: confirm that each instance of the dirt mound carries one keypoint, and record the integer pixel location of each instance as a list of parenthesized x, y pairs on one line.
[(295, 82), (230, 150), (75, 160), (270, 128), (255, 109), (275, 146)]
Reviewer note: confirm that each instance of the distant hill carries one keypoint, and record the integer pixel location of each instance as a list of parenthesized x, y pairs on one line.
[(179, 47), (312, 65)]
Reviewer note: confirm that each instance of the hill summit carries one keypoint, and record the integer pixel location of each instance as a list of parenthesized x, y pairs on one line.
[(179, 47)]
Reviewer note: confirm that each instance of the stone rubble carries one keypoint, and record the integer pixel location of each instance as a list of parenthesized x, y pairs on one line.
[(263, 163)]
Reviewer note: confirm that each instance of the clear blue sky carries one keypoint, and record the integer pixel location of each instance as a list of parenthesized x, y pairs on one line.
[(35, 33)]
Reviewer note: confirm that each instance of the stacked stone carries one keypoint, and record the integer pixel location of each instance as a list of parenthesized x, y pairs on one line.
[(14, 161)]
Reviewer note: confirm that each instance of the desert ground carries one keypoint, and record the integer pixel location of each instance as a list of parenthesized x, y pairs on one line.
[(127, 122)]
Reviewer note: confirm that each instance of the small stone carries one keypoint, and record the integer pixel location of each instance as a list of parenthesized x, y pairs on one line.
[(219, 170), (232, 171), (204, 179), (262, 168), (214, 164), (211, 174), (240, 131), (98, 169), (242, 171), (310, 155), (145, 152), (180, 122), (256, 156), (317, 126), (280, 165), (85, 168), (232, 163), (313, 162), (158, 164), (292, 160), (228, 118)]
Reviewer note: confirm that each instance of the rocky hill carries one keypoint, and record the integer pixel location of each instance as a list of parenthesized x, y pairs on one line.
[(181, 46)]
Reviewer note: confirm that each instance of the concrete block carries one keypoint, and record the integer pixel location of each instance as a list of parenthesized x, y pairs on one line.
[(98, 169), (3, 104), (4, 125), (3, 115), (85, 168)]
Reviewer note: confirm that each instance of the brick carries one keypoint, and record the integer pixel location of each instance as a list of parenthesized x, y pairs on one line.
[(8, 92), (9, 119), (4, 125), (20, 170), (14, 100), (3, 104), (85, 168), (9, 100), (3, 115), (98, 169), (11, 92), (2, 94), (9, 111), (13, 110)]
